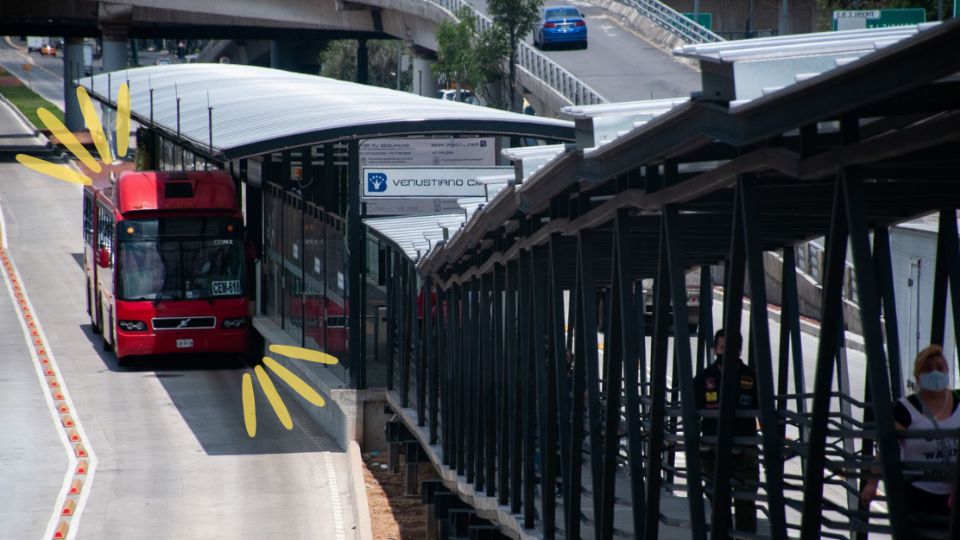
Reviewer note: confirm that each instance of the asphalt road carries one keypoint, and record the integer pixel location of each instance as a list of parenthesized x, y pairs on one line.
[(619, 63), (173, 457)]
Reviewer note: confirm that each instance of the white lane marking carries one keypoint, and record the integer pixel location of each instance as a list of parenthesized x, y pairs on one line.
[(56, 518), (336, 506)]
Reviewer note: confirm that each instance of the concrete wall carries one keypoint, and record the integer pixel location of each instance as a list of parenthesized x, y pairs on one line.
[(914, 256), (731, 15)]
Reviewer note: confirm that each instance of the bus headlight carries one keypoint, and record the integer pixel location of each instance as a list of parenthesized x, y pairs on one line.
[(132, 326), (235, 323)]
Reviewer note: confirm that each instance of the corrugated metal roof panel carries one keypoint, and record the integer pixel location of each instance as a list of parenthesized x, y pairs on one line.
[(257, 110)]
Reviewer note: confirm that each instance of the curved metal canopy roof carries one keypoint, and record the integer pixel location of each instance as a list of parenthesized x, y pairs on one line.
[(257, 110)]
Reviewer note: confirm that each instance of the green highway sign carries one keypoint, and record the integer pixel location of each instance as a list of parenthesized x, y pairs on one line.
[(878, 18), (704, 19)]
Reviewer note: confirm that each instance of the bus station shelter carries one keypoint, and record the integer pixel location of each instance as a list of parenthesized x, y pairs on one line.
[(293, 143)]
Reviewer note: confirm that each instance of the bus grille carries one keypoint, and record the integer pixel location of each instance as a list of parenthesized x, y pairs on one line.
[(184, 323)]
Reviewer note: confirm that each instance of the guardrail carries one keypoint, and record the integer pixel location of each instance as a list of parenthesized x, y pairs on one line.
[(671, 20), (537, 64)]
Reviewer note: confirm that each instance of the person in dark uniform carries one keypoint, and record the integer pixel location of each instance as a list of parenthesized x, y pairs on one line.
[(745, 457)]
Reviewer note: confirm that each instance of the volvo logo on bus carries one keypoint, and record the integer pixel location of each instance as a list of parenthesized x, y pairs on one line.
[(376, 182), (185, 323)]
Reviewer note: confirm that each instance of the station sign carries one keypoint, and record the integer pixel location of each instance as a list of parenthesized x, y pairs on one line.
[(419, 152), (877, 18), (427, 182)]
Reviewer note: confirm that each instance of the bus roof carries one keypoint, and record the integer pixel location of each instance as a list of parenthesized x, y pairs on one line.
[(139, 191)]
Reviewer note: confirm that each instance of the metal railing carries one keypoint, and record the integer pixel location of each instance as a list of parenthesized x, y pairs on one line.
[(671, 20), (534, 62)]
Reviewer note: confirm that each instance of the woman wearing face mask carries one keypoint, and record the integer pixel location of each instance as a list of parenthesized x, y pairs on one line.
[(933, 407)]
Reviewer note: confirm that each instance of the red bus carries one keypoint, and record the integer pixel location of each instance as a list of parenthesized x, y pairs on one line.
[(164, 257)]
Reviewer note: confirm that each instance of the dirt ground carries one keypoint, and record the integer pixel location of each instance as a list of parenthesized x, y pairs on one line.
[(393, 515)]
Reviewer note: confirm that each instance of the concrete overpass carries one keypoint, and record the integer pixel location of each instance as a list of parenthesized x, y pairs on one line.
[(281, 20)]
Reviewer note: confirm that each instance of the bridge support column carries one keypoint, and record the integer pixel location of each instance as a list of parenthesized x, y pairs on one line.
[(363, 62), (423, 82), (283, 55), (72, 70)]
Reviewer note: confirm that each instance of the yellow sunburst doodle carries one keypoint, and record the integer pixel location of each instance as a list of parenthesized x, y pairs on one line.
[(68, 174), (297, 384)]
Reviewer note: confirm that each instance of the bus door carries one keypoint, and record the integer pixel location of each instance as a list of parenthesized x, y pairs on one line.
[(104, 260), (89, 248)]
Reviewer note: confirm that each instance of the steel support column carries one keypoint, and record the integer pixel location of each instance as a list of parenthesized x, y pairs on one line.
[(884, 269), (355, 272), (543, 362), (630, 346), (658, 390), (729, 385), (790, 342), (502, 306), (559, 364), (534, 415), (705, 319), (830, 317), (469, 377), (490, 357), (876, 359), (760, 342), (683, 374), (515, 320), (585, 353)]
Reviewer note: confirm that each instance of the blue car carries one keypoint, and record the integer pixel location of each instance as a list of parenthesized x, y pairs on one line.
[(561, 24)]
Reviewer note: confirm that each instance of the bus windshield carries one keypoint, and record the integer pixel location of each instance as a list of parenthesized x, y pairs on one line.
[(180, 259)]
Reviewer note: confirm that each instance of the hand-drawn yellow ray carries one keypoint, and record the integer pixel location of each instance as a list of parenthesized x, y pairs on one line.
[(295, 382), (123, 120), (249, 406), (60, 172), (273, 397), (94, 125), (66, 137), (304, 354)]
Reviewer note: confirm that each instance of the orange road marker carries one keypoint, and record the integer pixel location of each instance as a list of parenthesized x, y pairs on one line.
[(67, 421), (69, 507), (82, 466), (50, 373), (54, 383), (61, 531), (62, 408), (57, 395), (74, 436), (80, 450), (76, 487)]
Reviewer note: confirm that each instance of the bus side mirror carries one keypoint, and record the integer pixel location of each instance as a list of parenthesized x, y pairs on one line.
[(103, 258)]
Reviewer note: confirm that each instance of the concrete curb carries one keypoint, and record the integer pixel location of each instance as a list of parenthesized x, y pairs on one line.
[(853, 341), (28, 126), (358, 487)]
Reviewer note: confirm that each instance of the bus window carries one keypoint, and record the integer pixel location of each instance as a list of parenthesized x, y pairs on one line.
[(88, 218)]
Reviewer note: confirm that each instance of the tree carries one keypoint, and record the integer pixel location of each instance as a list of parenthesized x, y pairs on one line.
[(516, 18), (469, 59), (339, 61), (457, 59)]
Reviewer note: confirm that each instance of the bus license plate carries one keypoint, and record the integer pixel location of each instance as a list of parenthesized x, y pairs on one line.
[(226, 288), (185, 343)]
